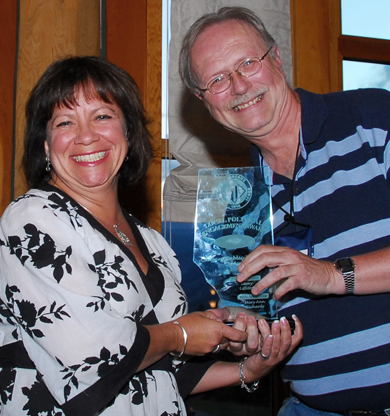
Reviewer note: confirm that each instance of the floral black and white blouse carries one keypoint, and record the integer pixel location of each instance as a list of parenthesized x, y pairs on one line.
[(73, 302)]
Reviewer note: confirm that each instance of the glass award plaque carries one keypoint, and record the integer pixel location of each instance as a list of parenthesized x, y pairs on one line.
[(233, 217)]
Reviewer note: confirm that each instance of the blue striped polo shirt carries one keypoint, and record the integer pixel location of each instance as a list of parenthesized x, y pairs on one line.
[(342, 191)]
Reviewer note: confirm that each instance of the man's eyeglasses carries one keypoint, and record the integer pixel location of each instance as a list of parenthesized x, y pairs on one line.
[(247, 68)]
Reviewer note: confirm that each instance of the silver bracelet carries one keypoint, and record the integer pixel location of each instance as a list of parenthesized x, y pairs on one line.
[(185, 336), (254, 386)]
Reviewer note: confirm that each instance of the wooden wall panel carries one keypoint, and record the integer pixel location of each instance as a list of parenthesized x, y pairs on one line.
[(50, 29), (127, 38), (316, 27), (134, 43), (8, 33)]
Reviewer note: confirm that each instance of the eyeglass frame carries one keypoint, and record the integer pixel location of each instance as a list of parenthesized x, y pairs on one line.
[(236, 70)]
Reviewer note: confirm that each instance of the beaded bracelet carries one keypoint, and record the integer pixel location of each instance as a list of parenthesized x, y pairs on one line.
[(254, 386), (185, 336)]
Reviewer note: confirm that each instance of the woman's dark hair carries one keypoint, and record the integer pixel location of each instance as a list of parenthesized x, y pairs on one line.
[(224, 14), (58, 86)]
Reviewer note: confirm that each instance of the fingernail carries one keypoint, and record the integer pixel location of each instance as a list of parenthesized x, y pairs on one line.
[(239, 277), (255, 291), (294, 317), (283, 320)]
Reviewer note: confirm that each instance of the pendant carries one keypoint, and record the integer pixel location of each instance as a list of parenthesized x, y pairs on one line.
[(122, 236)]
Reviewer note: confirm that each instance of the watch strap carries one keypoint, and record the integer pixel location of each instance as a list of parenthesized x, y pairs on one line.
[(349, 279), (346, 266)]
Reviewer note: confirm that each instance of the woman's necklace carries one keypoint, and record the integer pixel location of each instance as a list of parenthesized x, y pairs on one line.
[(121, 235)]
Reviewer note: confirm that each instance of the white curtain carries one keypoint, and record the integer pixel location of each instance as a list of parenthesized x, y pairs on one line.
[(195, 140)]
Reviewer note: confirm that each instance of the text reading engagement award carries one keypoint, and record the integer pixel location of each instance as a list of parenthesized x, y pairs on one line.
[(233, 217)]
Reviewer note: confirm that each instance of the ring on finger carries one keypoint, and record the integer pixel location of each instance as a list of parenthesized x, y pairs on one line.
[(217, 349), (265, 357)]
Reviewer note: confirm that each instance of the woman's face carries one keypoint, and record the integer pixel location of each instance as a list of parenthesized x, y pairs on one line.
[(86, 145)]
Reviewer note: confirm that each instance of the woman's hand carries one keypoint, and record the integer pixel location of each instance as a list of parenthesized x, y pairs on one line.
[(260, 335), (243, 322), (205, 332), (277, 343), (252, 344)]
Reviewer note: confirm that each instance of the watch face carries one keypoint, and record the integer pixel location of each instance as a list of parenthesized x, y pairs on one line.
[(347, 262)]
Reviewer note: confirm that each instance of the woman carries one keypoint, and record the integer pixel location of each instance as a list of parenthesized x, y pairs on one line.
[(93, 318)]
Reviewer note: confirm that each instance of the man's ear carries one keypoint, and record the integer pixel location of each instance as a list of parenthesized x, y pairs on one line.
[(277, 55), (279, 60), (199, 95)]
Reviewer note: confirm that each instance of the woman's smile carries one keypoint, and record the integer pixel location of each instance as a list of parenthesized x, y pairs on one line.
[(90, 158)]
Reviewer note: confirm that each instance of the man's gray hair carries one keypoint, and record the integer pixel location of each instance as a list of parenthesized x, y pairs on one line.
[(225, 13)]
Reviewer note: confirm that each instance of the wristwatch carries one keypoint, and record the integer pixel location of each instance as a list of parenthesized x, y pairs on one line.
[(346, 267)]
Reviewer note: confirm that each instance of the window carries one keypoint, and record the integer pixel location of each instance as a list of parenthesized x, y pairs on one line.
[(364, 42), (365, 19), (365, 75)]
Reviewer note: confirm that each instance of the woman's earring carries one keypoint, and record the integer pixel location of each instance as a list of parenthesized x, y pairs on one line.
[(127, 140), (48, 164)]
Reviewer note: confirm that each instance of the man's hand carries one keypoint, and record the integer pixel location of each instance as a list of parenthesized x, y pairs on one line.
[(291, 270)]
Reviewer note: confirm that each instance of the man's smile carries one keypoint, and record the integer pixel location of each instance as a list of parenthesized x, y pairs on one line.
[(248, 104)]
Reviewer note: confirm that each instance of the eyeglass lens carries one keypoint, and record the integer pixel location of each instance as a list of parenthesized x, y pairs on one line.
[(246, 69)]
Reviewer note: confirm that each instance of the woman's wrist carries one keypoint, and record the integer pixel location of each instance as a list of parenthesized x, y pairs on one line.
[(179, 352), (243, 380)]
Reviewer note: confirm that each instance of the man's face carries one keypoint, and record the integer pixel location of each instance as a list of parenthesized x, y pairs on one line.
[(252, 107)]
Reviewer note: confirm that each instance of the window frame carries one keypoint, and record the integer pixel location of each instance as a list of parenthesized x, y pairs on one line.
[(319, 49)]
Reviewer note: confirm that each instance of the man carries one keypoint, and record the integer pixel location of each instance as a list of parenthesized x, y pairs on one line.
[(330, 158)]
